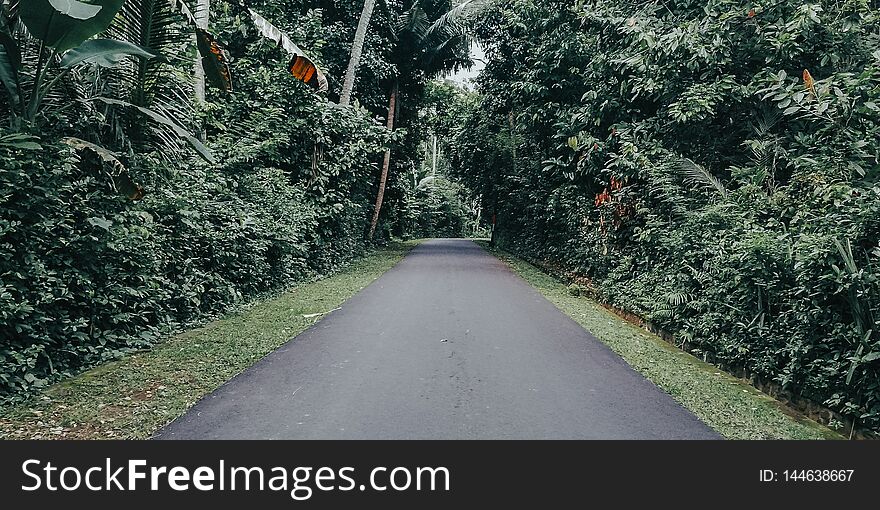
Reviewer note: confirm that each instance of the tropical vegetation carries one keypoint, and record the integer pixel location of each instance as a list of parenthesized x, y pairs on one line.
[(710, 166), (162, 161)]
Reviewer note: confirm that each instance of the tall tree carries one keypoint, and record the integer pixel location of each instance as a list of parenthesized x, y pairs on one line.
[(202, 14), (357, 48), (431, 40)]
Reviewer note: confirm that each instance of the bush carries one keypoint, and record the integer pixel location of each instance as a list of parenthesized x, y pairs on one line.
[(88, 275), (711, 167)]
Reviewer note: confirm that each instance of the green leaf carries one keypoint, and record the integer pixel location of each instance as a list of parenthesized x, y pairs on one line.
[(10, 63), (100, 222), (20, 141), (854, 364), (106, 53), (25, 145), (64, 24), (76, 9), (194, 142)]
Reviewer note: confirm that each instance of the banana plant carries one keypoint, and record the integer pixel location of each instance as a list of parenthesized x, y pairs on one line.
[(65, 28), (65, 31), (301, 66)]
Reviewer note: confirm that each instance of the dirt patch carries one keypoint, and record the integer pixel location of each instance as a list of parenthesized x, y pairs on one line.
[(147, 393)]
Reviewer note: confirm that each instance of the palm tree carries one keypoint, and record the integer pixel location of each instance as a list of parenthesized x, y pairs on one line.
[(151, 84), (357, 47), (431, 40)]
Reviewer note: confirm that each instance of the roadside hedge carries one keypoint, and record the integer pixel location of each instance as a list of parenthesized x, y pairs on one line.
[(87, 275), (710, 166)]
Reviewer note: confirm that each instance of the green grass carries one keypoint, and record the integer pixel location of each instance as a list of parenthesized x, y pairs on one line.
[(727, 404), (133, 397)]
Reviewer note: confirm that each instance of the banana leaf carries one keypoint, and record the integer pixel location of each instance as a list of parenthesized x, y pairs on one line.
[(214, 61), (301, 66), (106, 53), (122, 181), (65, 24)]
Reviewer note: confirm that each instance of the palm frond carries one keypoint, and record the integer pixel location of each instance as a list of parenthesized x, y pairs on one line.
[(765, 120), (696, 175), (664, 185), (165, 27), (441, 54), (452, 21), (161, 117), (678, 298), (413, 21)]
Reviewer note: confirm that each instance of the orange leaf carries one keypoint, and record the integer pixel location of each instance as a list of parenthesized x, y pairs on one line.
[(809, 83)]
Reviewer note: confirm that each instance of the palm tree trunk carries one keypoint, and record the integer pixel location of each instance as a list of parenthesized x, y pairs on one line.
[(202, 14), (392, 106), (434, 168), (357, 47)]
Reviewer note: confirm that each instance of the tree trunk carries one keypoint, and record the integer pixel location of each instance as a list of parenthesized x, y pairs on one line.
[(492, 233), (479, 207), (202, 15), (434, 156), (434, 168), (357, 47), (392, 106), (203, 8)]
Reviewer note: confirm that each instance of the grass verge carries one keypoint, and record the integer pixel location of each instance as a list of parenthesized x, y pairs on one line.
[(133, 397), (729, 405)]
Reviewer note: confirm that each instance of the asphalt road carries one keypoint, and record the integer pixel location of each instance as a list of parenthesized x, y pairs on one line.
[(449, 344)]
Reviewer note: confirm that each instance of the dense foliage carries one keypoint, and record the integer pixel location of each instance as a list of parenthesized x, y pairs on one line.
[(129, 207), (436, 205), (710, 165)]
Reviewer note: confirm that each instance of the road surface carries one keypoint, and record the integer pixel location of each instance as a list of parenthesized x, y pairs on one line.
[(449, 344)]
